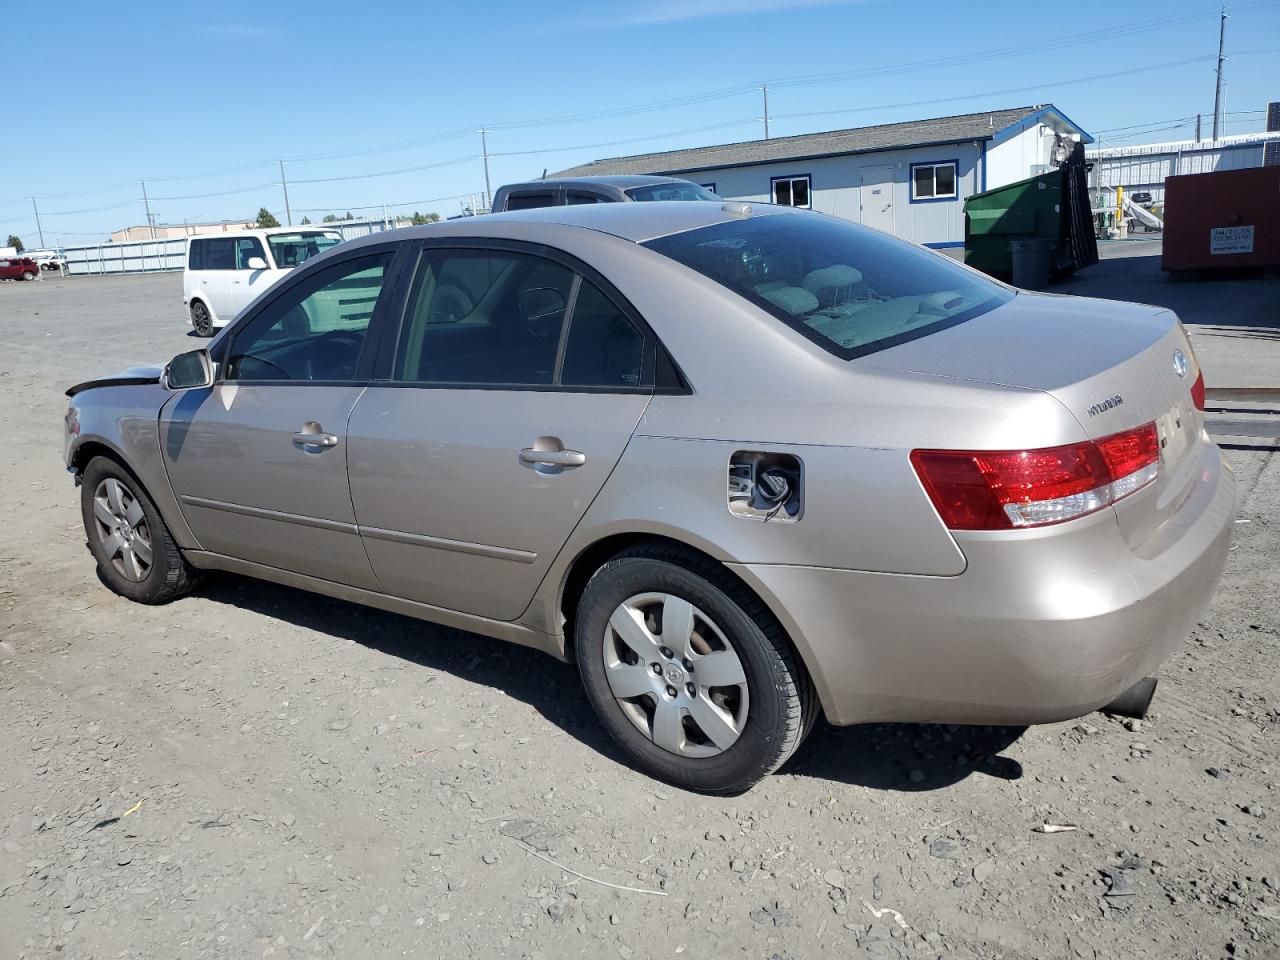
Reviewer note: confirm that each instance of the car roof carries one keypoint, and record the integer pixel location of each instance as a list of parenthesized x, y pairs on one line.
[(619, 181), (636, 222), (266, 231)]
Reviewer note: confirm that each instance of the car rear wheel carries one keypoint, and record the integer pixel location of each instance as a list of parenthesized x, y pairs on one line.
[(688, 671), (135, 552), (201, 321)]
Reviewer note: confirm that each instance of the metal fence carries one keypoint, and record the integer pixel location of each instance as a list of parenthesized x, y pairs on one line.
[(156, 256)]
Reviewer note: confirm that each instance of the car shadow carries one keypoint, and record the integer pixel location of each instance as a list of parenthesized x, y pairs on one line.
[(906, 757), (891, 757)]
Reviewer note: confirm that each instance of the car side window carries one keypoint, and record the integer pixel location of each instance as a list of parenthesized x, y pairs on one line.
[(246, 249), (576, 197), (315, 329), (484, 317), (197, 255), (220, 254), (603, 347), (531, 201)]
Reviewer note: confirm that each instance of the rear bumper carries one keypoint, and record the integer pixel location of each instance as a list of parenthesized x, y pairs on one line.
[(1042, 625)]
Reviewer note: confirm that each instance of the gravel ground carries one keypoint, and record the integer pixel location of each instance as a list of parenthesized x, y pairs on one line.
[(255, 772)]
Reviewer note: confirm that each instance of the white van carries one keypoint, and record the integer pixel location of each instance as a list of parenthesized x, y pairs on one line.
[(225, 272)]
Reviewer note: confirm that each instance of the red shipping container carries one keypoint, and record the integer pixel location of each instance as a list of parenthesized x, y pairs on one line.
[(1230, 218)]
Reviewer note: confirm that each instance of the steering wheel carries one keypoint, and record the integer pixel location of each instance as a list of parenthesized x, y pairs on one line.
[(255, 373), (332, 356)]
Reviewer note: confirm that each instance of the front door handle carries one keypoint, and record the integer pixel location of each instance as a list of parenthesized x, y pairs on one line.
[(553, 458), (313, 435)]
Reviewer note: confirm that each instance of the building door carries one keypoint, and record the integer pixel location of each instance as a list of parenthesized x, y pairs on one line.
[(877, 197)]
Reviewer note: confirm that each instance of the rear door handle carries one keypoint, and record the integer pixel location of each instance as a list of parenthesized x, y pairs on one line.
[(313, 435), (553, 458)]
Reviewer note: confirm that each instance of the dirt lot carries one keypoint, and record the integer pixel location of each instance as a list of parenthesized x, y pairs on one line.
[(255, 772)]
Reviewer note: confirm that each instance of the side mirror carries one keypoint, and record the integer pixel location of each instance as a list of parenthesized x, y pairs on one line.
[(256, 263), (187, 370), (542, 303)]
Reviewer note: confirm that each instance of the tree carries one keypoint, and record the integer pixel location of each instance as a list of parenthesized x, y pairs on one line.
[(330, 218), (16, 243), (305, 221), (348, 216), (418, 219), (266, 218)]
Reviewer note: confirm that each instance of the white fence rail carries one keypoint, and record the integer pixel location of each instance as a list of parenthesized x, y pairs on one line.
[(155, 256)]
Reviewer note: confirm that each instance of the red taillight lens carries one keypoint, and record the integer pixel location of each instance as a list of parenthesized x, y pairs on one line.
[(1003, 489), (1197, 391)]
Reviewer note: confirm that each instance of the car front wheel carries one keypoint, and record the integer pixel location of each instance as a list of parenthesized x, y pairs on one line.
[(689, 672), (28, 275), (136, 555)]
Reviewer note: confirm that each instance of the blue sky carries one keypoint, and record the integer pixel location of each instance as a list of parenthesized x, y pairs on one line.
[(202, 99)]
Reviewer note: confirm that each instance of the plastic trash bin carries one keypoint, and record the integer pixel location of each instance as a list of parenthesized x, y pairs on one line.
[(1031, 263)]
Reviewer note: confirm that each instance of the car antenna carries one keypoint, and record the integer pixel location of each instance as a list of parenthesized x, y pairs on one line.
[(544, 174)]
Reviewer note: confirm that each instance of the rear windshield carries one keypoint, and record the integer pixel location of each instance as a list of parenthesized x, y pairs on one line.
[(291, 249), (850, 289), (670, 191)]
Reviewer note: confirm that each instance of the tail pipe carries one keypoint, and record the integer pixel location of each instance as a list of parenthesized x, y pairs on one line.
[(1135, 701)]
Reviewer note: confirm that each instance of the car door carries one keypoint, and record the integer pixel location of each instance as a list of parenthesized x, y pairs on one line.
[(246, 282), (258, 461), (516, 384), (213, 283)]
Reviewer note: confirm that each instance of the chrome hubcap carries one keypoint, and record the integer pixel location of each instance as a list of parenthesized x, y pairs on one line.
[(122, 529), (675, 675)]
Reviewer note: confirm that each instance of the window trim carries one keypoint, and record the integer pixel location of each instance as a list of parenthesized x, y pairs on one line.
[(387, 355), (370, 349), (949, 198), (773, 190)]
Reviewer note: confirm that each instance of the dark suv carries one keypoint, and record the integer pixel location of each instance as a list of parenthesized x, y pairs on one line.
[(573, 190), (18, 268)]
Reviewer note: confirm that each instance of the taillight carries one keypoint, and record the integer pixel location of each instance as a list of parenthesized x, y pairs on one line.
[(1197, 391), (1004, 489)]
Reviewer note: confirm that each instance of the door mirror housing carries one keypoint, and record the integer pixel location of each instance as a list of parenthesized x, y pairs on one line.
[(256, 263), (188, 370)]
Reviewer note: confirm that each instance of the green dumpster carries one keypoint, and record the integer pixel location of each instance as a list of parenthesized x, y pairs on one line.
[(1051, 207), (1025, 210)]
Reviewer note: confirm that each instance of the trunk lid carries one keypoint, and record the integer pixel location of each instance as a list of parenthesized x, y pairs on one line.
[(1113, 365)]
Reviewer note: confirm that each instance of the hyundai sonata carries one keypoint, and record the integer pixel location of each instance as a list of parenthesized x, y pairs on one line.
[(744, 464)]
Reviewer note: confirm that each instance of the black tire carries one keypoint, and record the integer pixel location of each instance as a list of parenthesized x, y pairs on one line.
[(201, 320), (28, 275), (167, 575), (782, 701)]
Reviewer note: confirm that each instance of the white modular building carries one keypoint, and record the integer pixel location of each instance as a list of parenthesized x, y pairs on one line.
[(909, 179)]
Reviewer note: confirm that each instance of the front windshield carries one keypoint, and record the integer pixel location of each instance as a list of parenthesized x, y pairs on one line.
[(290, 249), (671, 191), (850, 289)]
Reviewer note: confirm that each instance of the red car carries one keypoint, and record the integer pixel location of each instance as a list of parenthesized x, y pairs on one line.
[(18, 268)]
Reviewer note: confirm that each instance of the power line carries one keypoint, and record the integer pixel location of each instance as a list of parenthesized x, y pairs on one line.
[(994, 93)]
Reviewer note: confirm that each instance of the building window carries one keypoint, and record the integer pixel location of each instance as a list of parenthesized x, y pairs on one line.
[(933, 181), (791, 191)]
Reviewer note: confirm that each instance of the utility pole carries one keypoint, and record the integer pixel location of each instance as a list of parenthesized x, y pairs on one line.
[(1197, 128), (39, 229), (151, 224), (1217, 93), (764, 89), (288, 214), (484, 153)]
